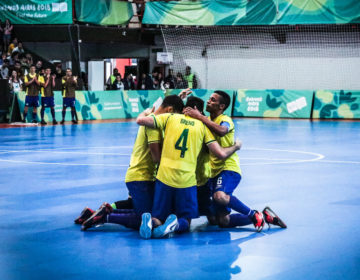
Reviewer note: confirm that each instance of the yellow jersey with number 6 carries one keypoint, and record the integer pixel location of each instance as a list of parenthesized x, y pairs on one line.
[(183, 140)]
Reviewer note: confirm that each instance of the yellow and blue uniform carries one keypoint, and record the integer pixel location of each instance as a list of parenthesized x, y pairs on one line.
[(32, 90), (141, 173), (175, 189), (225, 174), (69, 87), (47, 93)]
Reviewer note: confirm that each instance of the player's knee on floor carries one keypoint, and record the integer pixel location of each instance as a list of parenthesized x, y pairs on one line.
[(223, 221), (221, 198)]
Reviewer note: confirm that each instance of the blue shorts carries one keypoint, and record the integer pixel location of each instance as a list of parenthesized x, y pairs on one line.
[(69, 102), (47, 102), (204, 200), (142, 194), (179, 201), (32, 101), (226, 181)]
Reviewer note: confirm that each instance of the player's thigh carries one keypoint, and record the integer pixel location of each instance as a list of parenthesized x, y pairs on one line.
[(186, 205), (226, 181), (142, 193), (163, 204)]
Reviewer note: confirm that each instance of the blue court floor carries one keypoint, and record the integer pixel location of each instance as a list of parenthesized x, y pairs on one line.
[(308, 172)]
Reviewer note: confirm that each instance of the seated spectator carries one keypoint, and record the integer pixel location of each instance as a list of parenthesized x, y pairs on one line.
[(13, 45), (160, 81), (170, 79), (25, 67), (19, 48), (4, 70), (180, 82), (145, 82), (59, 75), (13, 57), (17, 68), (154, 77), (129, 82), (39, 67), (29, 59), (3, 57), (15, 83), (118, 84)]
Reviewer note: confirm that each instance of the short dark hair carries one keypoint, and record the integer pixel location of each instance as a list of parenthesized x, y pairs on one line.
[(193, 101), (175, 101), (225, 98)]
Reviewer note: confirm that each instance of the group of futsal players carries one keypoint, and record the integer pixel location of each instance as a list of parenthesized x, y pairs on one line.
[(44, 84), (183, 166)]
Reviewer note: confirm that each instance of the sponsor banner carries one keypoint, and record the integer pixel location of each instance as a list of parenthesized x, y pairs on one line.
[(273, 103), (36, 11), (336, 104), (245, 12), (106, 12)]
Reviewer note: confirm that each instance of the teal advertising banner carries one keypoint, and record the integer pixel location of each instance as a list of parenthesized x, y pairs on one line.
[(273, 103), (336, 104), (36, 11), (245, 12), (105, 12)]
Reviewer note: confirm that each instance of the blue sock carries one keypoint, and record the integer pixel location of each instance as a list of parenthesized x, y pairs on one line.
[(183, 225), (238, 206), (129, 220), (34, 116), (238, 220)]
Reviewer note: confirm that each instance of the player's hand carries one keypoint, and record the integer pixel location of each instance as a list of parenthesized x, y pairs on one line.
[(191, 112), (148, 111), (184, 93), (75, 78), (238, 144)]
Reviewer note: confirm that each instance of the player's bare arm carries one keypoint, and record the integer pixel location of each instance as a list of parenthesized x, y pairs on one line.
[(224, 153), (145, 119), (214, 127)]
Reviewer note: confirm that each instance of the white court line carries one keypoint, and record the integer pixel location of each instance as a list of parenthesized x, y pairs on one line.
[(341, 161)]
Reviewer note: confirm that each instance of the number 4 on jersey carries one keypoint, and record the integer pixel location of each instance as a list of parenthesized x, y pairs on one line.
[(181, 142)]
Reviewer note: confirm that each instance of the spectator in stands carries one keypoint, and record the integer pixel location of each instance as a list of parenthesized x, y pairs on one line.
[(14, 57), (4, 70), (3, 57), (15, 83), (128, 82), (145, 82), (13, 45), (39, 68), (111, 79), (17, 68), (69, 83), (8, 28), (25, 67), (19, 48), (154, 77), (59, 75), (118, 84), (170, 79), (30, 59), (190, 78), (160, 81), (180, 82)]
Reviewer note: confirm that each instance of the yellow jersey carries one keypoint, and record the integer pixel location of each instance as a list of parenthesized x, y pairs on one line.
[(183, 140), (203, 169), (231, 163), (142, 166)]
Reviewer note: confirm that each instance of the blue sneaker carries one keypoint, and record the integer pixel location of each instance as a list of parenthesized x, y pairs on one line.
[(170, 225), (146, 226)]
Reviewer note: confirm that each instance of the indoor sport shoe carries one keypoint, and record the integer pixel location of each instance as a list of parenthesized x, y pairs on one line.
[(170, 225), (43, 122), (55, 122), (146, 226), (98, 217), (258, 221), (62, 122), (271, 218), (84, 215), (74, 121)]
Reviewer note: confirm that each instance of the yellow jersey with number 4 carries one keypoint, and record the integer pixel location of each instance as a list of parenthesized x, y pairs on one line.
[(142, 166), (231, 163), (183, 140)]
